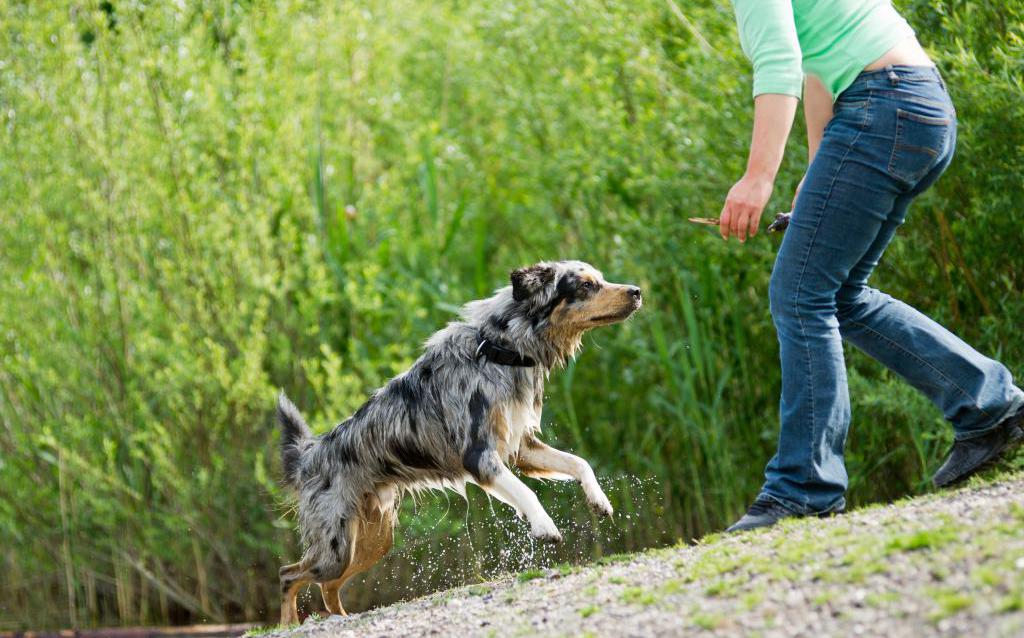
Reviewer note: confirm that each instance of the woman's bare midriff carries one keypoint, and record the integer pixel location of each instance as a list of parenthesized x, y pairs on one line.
[(907, 53)]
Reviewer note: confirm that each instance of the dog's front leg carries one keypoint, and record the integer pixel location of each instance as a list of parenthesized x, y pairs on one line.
[(540, 460), (507, 487)]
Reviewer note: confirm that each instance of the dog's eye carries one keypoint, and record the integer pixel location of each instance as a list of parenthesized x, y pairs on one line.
[(589, 285)]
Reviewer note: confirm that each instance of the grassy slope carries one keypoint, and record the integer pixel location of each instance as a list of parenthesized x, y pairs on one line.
[(942, 564)]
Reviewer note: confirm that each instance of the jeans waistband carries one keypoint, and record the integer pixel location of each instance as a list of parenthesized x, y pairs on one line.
[(894, 73)]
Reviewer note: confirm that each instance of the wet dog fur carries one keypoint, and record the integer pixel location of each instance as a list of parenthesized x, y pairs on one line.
[(454, 417)]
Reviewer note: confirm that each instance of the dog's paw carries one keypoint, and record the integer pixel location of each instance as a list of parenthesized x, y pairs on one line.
[(546, 533), (602, 506), (552, 538)]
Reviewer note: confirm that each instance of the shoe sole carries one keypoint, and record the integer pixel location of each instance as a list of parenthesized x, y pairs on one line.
[(831, 514), (1012, 443)]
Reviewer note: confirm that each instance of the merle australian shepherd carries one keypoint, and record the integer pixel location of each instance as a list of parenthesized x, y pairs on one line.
[(463, 413)]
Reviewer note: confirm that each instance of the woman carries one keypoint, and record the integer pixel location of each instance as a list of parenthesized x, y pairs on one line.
[(880, 130)]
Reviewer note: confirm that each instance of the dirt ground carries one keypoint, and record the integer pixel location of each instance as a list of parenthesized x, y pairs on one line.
[(948, 564)]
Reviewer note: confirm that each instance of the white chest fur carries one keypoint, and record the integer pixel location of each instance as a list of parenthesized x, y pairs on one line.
[(523, 420)]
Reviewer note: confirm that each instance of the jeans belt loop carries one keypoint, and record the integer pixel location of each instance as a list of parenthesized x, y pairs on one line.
[(895, 79)]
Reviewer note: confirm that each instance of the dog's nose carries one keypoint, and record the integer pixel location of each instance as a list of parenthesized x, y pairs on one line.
[(634, 292)]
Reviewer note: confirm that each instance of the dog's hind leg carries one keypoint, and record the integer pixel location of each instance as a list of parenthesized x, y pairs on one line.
[(331, 593), (542, 461), (293, 577), (371, 537), (324, 562), (372, 542), (341, 552), (500, 482)]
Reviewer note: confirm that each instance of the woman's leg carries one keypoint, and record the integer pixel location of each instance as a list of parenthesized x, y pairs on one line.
[(890, 139), (975, 393), (842, 208)]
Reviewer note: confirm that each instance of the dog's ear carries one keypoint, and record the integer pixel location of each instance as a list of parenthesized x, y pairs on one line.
[(527, 281)]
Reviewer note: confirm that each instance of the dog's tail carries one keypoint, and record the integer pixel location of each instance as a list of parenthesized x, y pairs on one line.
[(294, 433)]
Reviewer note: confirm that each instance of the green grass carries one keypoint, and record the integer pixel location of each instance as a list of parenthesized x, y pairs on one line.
[(949, 603), (614, 559), (741, 567), (638, 596), (823, 598), (921, 539), (752, 599), (1017, 511), (882, 599), (269, 629), (530, 574), (672, 586), (725, 587), (1011, 603), (589, 610), (707, 621)]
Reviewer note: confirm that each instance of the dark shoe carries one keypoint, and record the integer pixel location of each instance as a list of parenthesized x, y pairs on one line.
[(973, 455), (765, 512)]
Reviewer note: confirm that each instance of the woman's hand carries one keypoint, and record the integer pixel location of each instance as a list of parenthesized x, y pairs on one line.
[(744, 204), (773, 117)]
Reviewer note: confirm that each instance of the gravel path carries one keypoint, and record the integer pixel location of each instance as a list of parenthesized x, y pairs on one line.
[(949, 564)]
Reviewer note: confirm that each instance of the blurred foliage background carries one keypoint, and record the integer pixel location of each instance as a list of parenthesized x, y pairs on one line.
[(203, 202)]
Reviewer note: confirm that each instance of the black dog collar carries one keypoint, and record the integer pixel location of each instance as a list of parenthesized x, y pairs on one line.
[(501, 355)]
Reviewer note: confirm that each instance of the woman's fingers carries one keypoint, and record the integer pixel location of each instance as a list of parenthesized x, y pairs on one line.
[(739, 223), (752, 223), (737, 220), (724, 220)]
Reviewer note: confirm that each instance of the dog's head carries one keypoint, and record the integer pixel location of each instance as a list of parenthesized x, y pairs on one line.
[(571, 297)]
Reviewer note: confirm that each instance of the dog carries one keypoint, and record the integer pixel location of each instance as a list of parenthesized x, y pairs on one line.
[(469, 407)]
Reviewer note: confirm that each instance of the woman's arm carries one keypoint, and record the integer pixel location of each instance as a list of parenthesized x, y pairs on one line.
[(768, 37), (773, 118)]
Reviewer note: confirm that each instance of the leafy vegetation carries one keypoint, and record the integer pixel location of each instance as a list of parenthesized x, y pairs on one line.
[(530, 574), (205, 202)]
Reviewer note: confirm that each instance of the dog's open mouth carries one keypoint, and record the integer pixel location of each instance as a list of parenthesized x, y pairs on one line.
[(617, 316)]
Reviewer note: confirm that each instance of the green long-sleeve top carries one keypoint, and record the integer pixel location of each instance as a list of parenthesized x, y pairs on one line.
[(832, 39)]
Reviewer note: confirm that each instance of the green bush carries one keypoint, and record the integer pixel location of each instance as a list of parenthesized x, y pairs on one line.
[(205, 202)]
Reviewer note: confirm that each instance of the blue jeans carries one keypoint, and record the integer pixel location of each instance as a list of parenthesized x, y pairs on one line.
[(892, 134)]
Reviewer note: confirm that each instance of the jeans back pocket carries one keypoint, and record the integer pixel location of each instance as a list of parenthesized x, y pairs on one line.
[(919, 141)]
